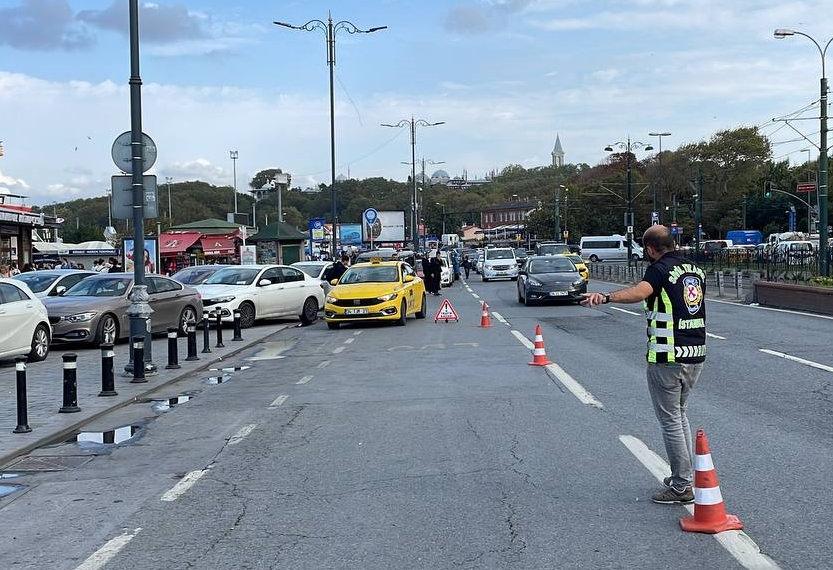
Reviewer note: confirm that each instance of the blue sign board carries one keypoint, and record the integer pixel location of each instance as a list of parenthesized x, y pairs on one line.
[(370, 215)]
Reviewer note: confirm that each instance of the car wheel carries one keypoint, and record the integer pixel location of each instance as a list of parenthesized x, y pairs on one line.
[(594, 258), (422, 309), (483, 279), (309, 314), (247, 315), (333, 326), (403, 314), (527, 302), (108, 330), (520, 297), (187, 315), (40, 344)]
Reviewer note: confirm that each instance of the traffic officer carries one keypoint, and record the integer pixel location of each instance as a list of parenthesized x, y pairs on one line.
[(673, 290)]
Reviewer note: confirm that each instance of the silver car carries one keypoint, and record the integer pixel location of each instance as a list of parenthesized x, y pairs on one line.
[(95, 310)]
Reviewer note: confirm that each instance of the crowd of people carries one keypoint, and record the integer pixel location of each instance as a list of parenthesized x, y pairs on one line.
[(10, 269)]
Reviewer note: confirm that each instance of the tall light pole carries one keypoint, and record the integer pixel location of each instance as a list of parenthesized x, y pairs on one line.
[(824, 266), (657, 205), (168, 181), (558, 233), (233, 155), (422, 188), (413, 124), (330, 30), (628, 148), (443, 207)]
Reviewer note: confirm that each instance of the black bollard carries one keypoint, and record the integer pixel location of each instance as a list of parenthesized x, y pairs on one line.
[(238, 335), (192, 341), (173, 349), (219, 330), (206, 332), (138, 359), (22, 407), (108, 380), (70, 384)]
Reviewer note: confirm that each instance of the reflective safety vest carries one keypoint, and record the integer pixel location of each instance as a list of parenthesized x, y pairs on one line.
[(677, 315)]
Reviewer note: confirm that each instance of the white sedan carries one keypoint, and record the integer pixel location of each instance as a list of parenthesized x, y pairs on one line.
[(262, 291), (316, 270), (24, 322)]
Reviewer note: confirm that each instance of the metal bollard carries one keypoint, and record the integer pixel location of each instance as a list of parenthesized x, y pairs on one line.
[(238, 335), (108, 380), (22, 406), (219, 329), (720, 280), (173, 349), (738, 284), (206, 332), (70, 404), (192, 342), (138, 357)]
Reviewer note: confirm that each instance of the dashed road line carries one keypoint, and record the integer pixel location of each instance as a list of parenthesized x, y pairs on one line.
[(106, 553), (349, 340), (242, 433), (797, 359), (717, 336), (500, 318), (304, 380), (739, 544), (475, 295), (338, 349), (183, 485), (276, 403), (626, 311), (323, 364), (523, 340), (789, 312), (357, 333)]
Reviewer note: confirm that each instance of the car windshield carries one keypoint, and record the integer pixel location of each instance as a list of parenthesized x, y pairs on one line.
[(309, 268), (500, 254), (193, 276), (553, 249), (382, 274), (37, 282), (555, 265), (233, 276), (100, 287), (575, 258)]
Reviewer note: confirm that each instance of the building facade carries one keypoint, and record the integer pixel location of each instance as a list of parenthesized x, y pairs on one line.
[(507, 214)]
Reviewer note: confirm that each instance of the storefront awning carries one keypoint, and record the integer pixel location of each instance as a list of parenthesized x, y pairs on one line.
[(217, 246), (179, 242)]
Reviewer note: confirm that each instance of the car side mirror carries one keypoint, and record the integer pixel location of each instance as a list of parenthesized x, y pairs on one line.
[(334, 282), (409, 278), (60, 290), (264, 282)]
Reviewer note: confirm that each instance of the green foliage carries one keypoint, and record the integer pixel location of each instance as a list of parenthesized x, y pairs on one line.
[(822, 281)]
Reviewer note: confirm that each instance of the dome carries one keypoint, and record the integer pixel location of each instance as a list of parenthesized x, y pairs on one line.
[(440, 174)]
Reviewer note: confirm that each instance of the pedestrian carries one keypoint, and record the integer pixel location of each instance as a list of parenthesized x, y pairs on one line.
[(115, 266), (455, 264), (673, 289), (13, 269), (436, 273), (4, 271), (338, 268), (466, 265), (26, 268)]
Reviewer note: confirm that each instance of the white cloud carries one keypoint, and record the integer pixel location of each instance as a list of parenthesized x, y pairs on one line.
[(197, 169)]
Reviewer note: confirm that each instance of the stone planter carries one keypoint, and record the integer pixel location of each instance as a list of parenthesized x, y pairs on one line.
[(796, 297)]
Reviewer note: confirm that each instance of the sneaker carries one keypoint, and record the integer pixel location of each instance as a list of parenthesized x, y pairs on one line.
[(672, 497), (667, 482)]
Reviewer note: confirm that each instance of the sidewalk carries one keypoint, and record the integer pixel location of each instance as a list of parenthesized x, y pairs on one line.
[(45, 386)]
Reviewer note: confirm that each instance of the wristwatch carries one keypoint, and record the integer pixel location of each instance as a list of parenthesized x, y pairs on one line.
[(607, 298)]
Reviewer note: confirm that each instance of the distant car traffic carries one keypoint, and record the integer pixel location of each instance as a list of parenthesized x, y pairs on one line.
[(499, 263), (52, 282), (196, 275), (376, 291), (95, 310), (24, 322), (608, 248), (520, 255), (551, 249), (550, 278), (262, 291), (578, 261), (446, 271)]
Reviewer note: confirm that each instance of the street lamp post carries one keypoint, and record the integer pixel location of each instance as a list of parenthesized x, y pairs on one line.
[(824, 266), (628, 147), (443, 207), (168, 181), (233, 155), (657, 203), (413, 124), (330, 29)]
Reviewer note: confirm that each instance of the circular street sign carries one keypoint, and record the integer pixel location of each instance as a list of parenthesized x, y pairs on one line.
[(123, 157), (370, 215)]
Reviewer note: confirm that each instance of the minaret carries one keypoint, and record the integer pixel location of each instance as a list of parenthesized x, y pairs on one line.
[(557, 153)]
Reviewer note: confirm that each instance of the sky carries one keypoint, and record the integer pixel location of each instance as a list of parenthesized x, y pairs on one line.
[(505, 76)]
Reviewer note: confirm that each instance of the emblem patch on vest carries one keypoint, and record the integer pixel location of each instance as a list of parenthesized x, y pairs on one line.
[(693, 294)]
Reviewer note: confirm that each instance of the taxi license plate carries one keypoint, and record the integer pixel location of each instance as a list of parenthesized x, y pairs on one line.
[(558, 293), (355, 311)]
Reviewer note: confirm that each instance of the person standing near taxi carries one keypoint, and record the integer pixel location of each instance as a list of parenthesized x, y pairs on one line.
[(338, 268), (673, 290)]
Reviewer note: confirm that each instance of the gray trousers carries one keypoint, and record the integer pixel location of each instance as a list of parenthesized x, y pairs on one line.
[(669, 386)]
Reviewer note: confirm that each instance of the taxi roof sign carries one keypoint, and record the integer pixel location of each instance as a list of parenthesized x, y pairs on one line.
[(446, 312), (375, 260)]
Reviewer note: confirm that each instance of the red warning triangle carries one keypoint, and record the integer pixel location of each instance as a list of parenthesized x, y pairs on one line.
[(446, 313)]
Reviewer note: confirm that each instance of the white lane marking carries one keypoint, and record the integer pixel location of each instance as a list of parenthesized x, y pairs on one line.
[(475, 295), (523, 340), (242, 433), (304, 380), (717, 336), (797, 359), (799, 313), (278, 401), (626, 311), (739, 544), (357, 333), (323, 364), (579, 391), (349, 340), (183, 485), (499, 317), (338, 349), (104, 554)]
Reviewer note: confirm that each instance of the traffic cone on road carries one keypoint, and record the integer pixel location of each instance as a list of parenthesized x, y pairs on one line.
[(539, 354), (709, 512), (485, 319)]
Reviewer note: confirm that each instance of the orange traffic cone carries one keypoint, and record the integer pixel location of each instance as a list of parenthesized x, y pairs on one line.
[(485, 319), (539, 354), (709, 512)]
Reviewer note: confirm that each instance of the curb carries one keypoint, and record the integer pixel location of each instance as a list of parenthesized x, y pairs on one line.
[(52, 436)]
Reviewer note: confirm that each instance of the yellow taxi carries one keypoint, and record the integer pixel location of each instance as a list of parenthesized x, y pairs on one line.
[(375, 291), (580, 265)]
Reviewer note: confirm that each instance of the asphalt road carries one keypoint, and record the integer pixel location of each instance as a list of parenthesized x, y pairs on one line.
[(436, 446)]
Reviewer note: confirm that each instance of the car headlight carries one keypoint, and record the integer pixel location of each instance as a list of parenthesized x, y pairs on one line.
[(533, 281), (332, 300), (79, 318), (578, 282), (387, 297), (223, 299)]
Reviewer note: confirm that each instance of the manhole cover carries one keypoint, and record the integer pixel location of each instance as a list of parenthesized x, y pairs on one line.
[(49, 462)]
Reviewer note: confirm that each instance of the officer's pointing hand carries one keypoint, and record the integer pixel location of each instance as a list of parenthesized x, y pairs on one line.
[(593, 299)]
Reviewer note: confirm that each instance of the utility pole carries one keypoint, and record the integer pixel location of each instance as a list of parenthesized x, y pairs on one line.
[(558, 212), (698, 213), (233, 154), (168, 181), (658, 202), (628, 148)]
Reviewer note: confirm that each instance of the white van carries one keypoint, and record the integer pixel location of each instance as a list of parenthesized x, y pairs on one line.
[(608, 248)]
